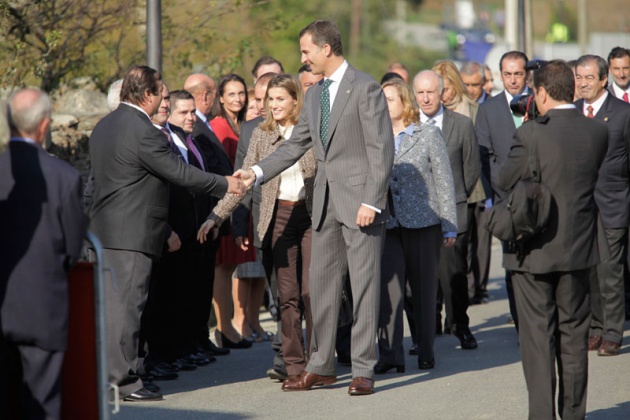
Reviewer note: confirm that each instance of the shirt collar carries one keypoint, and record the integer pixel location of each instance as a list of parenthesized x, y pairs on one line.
[(201, 116), (437, 117), (597, 104), (338, 74), (138, 108), (24, 140), (618, 91), (408, 130), (565, 106)]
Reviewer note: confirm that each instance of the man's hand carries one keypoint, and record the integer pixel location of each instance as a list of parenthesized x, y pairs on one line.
[(235, 186), (248, 177), (448, 242), (202, 235), (366, 216), (173, 243), (242, 242)]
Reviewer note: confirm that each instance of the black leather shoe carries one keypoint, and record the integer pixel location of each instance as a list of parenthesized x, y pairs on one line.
[(162, 375), (243, 344), (426, 365), (198, 359), (144, 394), (382, 367), (466, 339), (413, 351), (183, 364), (151, 386), (218, 351)]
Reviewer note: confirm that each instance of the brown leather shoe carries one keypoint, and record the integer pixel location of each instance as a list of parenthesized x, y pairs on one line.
[(306, 381), (594, 341), (361, 386), (608, 348)]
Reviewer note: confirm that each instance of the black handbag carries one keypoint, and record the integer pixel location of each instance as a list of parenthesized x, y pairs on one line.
[(525, 211)]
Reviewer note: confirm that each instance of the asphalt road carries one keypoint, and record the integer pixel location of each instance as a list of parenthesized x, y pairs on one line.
[(486, 383)]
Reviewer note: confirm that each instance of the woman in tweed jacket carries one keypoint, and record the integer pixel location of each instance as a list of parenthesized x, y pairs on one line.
[(423, 218), (285, 215)]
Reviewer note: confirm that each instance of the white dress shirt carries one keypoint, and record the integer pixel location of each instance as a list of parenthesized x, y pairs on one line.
[(596, 105), (291, 186)]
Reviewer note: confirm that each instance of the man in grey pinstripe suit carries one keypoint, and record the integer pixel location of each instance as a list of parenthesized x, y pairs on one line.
[(355, 159)]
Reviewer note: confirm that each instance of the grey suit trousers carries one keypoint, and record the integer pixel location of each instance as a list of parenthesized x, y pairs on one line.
[(607, 289), (125, 297), (335, 249)]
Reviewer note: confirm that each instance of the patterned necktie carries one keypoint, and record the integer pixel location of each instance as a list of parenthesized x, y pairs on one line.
[(625, 97), (431, 121), (590, 112), (325, 105), (193, 149)]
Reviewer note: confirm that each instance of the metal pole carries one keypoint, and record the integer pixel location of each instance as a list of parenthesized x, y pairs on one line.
[(521, 26), (154, 34)]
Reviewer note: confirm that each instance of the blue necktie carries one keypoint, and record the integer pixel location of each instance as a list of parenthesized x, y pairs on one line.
[(325, 105)]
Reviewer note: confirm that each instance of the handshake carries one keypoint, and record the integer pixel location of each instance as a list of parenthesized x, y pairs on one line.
[(240, 182)]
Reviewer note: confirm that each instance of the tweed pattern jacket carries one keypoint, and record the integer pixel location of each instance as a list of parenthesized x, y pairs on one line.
[(423, 191), (263, 143)]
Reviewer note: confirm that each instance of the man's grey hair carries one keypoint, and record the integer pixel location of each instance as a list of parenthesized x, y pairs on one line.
[(25, 118), (470, 68), (113, 95), (427, 72)]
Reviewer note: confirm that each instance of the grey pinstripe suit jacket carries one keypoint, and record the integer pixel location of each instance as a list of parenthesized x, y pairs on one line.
[(356, 164)]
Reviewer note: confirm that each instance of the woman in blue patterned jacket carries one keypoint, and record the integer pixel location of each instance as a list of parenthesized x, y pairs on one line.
[(423, 217)]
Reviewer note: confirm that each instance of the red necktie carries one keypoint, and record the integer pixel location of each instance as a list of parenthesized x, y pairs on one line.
[(625, 97), (193, 149), (590, 112)]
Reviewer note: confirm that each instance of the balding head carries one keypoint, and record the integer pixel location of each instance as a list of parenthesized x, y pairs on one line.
[(203, 89), (260, 90), (29, 113), (427, 88)]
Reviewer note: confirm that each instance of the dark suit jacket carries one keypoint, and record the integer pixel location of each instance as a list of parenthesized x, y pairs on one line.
[(495, 133), (42, 225), (216, 159), (613, 191), (187, 210), (133, 167), (463, 154), (354, 167), (571, 150), (251, 203)]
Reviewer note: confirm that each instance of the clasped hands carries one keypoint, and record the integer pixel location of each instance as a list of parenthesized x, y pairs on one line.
[(240, 182)]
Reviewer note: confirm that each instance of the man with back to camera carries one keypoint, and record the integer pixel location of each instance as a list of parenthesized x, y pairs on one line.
[(551, 284), (133, 166), (612, 195), (43, 226), (346, 120), (495, 126)]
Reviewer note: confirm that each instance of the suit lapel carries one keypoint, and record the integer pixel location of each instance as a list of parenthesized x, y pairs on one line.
[(606, 110), (343, 93), (447, 126)]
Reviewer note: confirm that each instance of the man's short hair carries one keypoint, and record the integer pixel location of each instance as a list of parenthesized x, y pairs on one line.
[(618, 52), (113, 94), (137, 81), (265, 78), (304, 68), (263, 61), (324, 32), (470, 68), (389, 76), (180, 95), (513, 55), (602, 65), (557, 79), (25, 118)]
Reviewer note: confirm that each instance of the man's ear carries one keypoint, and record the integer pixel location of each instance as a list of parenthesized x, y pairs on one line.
[(43, 130)]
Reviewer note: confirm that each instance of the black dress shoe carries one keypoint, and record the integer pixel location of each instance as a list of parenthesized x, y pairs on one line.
[(414, 351), (144, 394), (158, 374), (243, 344), (218, 351), (151, 386), (198, 359), (426, 364), (183, 364), (382, 367), (466, 339)]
